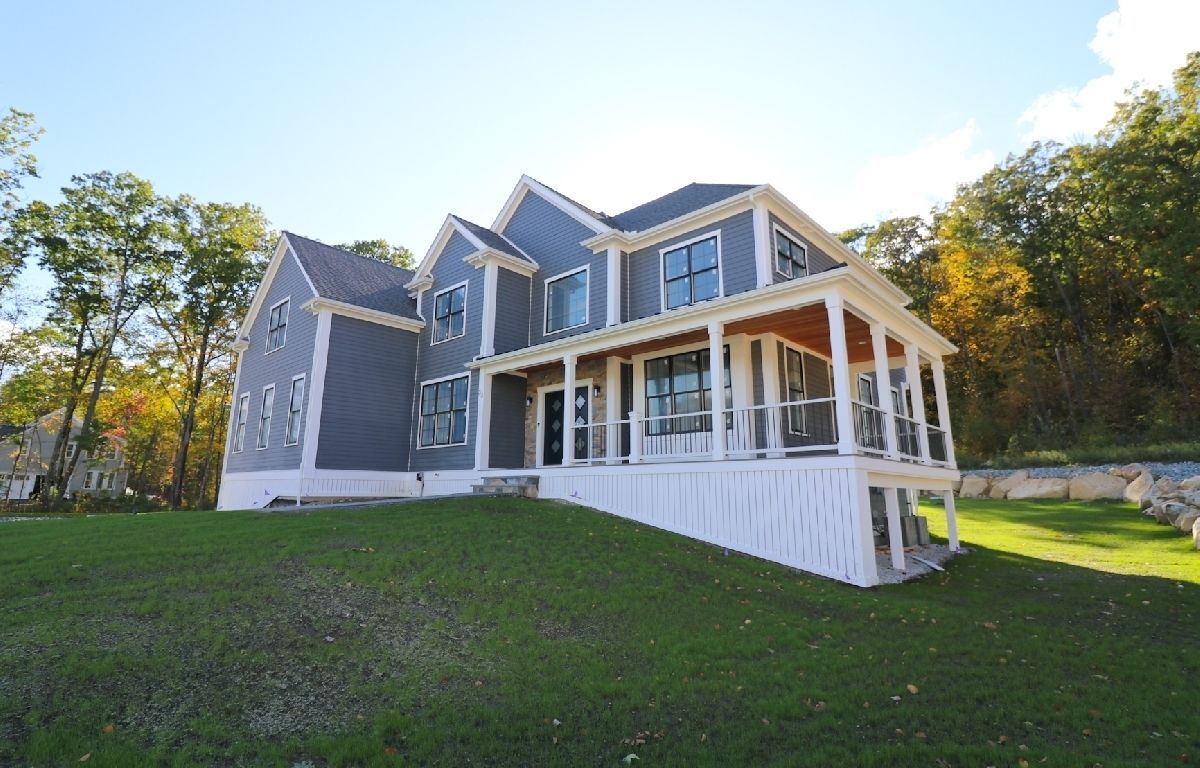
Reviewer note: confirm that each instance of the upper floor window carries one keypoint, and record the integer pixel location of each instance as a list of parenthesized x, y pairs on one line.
[(567, 301), (264, 418), (444, 412), (71, 448), (791, 258), (239, 429), (277, 327), (691, 273), (450, 313), (292, 435)]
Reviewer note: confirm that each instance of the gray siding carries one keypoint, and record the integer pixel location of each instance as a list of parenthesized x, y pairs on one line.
[(512, 311), (818, 260), (551, 238), (506, 449), (448, 358), (738, 270), (260, 369), (366, 414)]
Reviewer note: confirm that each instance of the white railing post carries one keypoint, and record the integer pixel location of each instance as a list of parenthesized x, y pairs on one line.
[(943, 408), (569, 411), (913, 374), (884, 386), (635, 438), (716, 380), (841, 375)]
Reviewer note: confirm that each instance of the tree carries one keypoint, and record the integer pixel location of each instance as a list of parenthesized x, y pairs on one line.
[(381, 250), (904, 250), (220, 259), (18, 132)]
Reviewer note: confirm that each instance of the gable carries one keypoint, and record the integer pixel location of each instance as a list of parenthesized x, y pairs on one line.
[(282, 259)]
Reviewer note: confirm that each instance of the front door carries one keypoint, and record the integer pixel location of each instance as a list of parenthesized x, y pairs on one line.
[(557, 419)]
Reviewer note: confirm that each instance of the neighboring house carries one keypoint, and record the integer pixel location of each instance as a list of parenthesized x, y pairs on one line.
[(25, 458), (582, 349)]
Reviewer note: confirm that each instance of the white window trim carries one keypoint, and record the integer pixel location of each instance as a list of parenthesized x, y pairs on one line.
[(466, 286), (258, 432), (803, 383), (466, 427), (662, 274), (874, 390), (299, 413), (777, 230), (267, 341), (237, 447), (587, 301)]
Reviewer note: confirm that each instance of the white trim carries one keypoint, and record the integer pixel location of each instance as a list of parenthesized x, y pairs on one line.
[(299, 412), (511, 263), (487, 336), (662, 274), (237, 419), (258, 443), (528, 184), (612, 286), (466, 286), (467, 412), (260, 294), (483, 426), (776, 231), (316, 392), (362, 313), (267, 340), (762, 248), (722, 209), (539, 427), (587, 304), (874, 390)]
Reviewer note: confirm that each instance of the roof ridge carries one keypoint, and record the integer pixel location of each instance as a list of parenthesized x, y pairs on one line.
[(371, 259)]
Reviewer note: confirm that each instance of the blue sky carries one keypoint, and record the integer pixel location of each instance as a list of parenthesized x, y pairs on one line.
[(360, 120)]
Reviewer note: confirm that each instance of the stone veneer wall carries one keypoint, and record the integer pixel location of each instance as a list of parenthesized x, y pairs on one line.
[(596, 370)]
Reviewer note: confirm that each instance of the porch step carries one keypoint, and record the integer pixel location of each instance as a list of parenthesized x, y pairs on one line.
[(512, 485)]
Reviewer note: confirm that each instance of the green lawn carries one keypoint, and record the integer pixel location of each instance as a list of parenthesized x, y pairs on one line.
[(458, 632)]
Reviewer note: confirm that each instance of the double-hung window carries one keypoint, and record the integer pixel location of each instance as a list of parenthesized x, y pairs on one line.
[(567, 301), (239, 429), (691, 273), (794, 372), (264, 418), (449, 313), (791, 258), (292, 435), (277, 325), (444, 412), (679, 385)]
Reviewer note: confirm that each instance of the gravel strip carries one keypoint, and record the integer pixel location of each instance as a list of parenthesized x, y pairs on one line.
[(1176, 470)]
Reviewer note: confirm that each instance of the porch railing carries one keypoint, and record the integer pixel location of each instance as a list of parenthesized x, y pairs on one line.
[(793, 427), (937, 443), (908, 442), (869, 427)]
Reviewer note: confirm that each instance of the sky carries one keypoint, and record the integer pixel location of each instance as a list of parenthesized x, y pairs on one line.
[(357, 120)]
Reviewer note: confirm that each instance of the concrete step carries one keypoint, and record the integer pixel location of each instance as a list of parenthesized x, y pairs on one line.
[(506, 489), (512, 480)]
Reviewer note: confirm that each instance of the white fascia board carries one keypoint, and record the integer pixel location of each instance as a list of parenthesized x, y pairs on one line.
[(260, 295), (362, 313), (481, 257), (528, 184), (427, 261), (697, 218)]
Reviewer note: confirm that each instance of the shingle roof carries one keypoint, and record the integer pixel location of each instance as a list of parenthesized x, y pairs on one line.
[(600, 216), (492, 239), (672, 205), (345, 276)]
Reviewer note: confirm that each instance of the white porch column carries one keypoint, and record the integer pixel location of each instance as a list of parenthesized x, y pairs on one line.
[(487, 340), (612, 409), (716, 366), (612, 286), (943, 407), (841, 375), (951, 520), (763, 247), (483, 422), (772, 382), (569, 414), (883, 385), (891, 498), (913, 374)]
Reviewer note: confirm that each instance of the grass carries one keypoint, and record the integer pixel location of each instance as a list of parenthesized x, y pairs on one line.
[(457, 632), (1085, 455)]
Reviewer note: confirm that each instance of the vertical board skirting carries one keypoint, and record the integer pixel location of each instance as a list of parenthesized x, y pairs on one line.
[(803, 518)]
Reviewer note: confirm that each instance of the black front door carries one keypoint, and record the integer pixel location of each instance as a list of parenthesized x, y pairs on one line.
[(558, 418)]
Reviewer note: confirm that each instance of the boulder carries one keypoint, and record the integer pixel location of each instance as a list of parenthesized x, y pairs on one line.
[(1191, 484), (1186, 521), (973, 487), (1160, 514), (1128, 472), (956, 485), (1097, 485), (1196, 534), (1138, 491), (1172, 510), (1001, 486), (1041, 488), (1162, 486)]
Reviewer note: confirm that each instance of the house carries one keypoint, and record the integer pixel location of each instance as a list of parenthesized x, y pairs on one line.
[(25, 452), (711, 362)]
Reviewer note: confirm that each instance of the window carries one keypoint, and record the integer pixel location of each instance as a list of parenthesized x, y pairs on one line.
[(277, 327), (681, 384), (866, 390), (567, 301), (444, 412), (292, 435), (264, 418), (239, 430), (691, 273), (449, 313), (111, 479), (791, 258), (89, 480), (897, 402), (71, 448), (794, 373)]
